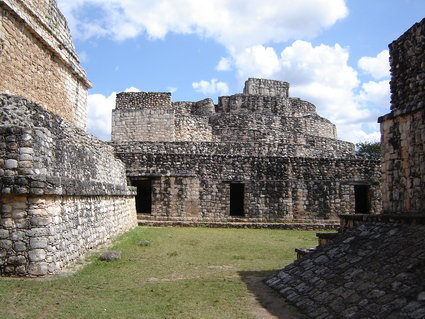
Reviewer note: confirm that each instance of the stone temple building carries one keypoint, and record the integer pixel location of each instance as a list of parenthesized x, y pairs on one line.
[(260, 155), (62, 191)]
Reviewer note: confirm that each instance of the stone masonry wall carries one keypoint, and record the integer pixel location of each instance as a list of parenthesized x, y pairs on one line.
[(275, 187), (63, 191), (40, 235), (403, 130), (407, 59), (153, 125), (38, 60), (266, 87), (143, 100)]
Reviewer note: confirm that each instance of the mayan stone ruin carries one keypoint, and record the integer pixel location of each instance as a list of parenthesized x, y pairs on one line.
[(375, 267), (63, 193), (257, 156)]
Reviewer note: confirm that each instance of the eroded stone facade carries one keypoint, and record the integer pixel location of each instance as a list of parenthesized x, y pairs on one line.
[(269, 154), (403, 130), (38, 59), (63, 192)]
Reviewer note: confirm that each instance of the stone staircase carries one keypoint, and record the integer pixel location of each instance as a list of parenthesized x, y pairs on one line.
[(323, 238), (350, 221)]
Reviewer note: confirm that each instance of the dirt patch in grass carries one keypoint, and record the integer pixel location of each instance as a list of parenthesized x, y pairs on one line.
[(267, 303)]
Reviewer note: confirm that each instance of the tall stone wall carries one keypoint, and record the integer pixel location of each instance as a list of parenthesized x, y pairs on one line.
[(403, 130), (63, 191), (38, 59)]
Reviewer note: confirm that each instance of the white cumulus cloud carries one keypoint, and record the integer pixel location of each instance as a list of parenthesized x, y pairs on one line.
[(257, 61), (211, 87), (99, 113), (233, 23), (377, 93), (321, 74), (378, 67), (224, 64)]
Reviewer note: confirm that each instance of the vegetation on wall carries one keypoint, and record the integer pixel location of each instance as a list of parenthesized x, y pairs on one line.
[(370, 150)]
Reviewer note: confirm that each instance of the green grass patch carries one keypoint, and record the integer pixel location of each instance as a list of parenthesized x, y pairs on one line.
[(163, 273)]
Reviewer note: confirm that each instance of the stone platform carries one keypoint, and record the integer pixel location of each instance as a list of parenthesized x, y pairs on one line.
[(144, 220)]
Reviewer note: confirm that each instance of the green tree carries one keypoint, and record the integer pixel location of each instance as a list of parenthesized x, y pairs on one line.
[(369, 150)]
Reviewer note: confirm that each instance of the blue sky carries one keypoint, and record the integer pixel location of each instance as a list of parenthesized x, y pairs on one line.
[(334, 53)]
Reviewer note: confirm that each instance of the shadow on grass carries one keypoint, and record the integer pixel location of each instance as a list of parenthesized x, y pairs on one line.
[(273, 304)]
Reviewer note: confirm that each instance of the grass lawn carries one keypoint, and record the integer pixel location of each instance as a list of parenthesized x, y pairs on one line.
[(163, 273)]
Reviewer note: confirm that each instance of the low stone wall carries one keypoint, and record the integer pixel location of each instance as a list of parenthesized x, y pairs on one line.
[(39, 235), (63, 191)]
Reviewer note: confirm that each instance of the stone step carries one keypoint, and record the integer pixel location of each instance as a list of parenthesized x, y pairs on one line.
[(324, 238), (301, 252), (251, 225)]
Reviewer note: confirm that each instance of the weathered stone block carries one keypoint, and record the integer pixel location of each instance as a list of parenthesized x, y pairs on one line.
[(38, 269), (38, 243), (11, 164), (37, 255)]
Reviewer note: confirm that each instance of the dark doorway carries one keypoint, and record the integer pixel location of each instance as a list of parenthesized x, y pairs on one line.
[(237, 199), (361, 193), (144, 196)]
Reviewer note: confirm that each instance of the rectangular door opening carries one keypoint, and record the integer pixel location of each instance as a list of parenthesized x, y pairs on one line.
[(144, 196), (361, 193), (237, 196)]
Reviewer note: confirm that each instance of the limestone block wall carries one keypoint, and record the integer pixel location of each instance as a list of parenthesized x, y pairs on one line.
[(403, 130), (143, 100), (407, 60), (40, 235), (176, 196), (274, 187), (38, 60), (192, 129), (266, 87), (63, 191), (154, 125)]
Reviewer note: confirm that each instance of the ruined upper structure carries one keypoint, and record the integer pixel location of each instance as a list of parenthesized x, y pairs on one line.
[(260, 155), (264, 113), (38, 59)]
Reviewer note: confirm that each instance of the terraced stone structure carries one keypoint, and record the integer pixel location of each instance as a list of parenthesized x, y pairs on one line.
[(376, 267), (63, 193), (38, 59), (260, 156)]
